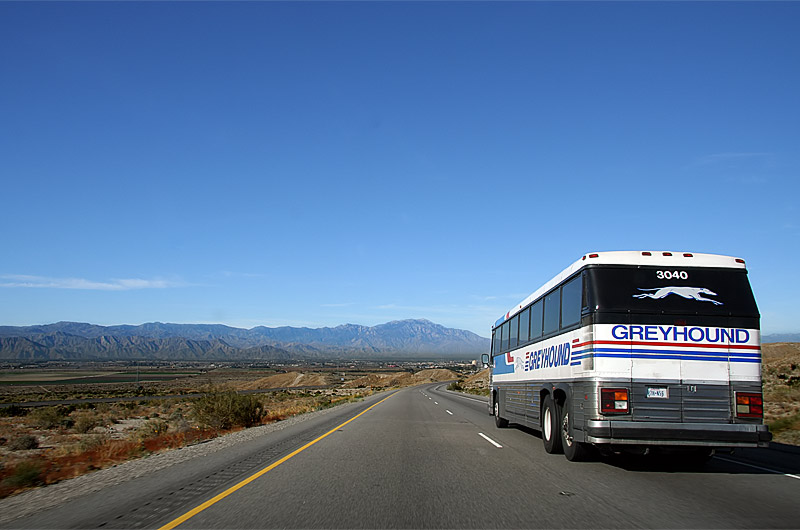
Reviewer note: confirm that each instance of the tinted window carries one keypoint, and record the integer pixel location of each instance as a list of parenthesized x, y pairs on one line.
[(571, 294), (552, 309), (512, 340), (495, 342), (536, 320), (672, 290), (503, 337), (524, 325)]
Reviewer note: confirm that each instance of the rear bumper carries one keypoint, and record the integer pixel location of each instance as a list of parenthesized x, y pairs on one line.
[(658, 433)]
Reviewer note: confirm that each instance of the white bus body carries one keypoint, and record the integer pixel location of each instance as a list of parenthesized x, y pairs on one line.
[(634, 351)]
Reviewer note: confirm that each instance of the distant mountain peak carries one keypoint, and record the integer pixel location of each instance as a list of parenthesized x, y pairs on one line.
[(157, 340)]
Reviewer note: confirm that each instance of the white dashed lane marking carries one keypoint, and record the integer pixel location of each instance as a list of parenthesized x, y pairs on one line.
[(489, 440)]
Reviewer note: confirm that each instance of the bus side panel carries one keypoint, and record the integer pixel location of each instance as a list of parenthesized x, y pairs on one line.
[(583, 405), (515, 402), (534, 405), (745, 359)]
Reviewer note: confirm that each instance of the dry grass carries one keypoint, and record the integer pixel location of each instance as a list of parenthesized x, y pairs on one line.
[(781, 377)]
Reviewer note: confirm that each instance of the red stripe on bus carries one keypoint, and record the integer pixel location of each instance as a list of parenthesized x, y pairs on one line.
[(670, 344)]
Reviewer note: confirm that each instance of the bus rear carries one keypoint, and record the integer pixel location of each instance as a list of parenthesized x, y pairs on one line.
[(673, 351)]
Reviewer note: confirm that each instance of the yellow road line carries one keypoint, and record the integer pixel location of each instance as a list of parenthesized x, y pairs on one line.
[(188, 515)]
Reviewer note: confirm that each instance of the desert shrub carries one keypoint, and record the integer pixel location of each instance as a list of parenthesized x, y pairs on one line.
[(178, 423), (223, 409), (49, 418), (26, 473), (23, 442), (92, 442), (785, 423), (456, 386), (85, 421), (13, 410), (151, 429)]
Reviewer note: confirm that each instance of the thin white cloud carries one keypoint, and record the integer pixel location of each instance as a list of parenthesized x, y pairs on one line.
[(43, 282), (236, 274), (744, 160), (724, 157)]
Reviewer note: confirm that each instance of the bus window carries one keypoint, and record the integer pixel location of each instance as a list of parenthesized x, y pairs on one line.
[(571, 303), (637, 290), (513, 339), (524, 326), (536, 320), (514, 334), (552, 308)]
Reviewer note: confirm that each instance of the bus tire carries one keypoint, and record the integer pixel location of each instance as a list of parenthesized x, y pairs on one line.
[(574, 451), (501, 423), (551, 426)]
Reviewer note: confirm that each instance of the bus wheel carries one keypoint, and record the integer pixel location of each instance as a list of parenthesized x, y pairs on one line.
[(550, 426), (502, 423), (574, 451)]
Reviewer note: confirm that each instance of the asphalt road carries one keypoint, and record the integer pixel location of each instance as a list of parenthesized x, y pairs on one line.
[(428, 458)]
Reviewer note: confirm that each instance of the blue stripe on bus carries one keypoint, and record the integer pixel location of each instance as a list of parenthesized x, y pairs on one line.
[(679, 352), (665, 354), (675, 357)]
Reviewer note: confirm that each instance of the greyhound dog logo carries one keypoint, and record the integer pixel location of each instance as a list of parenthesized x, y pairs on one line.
[(690, 293)]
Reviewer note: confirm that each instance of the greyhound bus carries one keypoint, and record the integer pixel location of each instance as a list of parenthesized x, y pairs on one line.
[(634, 351)]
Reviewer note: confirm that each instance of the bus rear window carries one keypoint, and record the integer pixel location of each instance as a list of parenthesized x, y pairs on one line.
[(676, 291)]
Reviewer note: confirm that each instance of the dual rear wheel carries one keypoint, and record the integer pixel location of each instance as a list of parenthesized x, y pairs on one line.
[(557, 432)]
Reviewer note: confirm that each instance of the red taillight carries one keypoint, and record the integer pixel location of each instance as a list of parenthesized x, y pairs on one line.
[(594, 255), (646, 254), (687, 255), (614, 401), (740, 260), (749, 405), (666, 253)]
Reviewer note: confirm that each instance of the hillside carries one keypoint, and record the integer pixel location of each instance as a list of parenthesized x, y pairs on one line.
[(156, 340), (781, 379), (402, 379)]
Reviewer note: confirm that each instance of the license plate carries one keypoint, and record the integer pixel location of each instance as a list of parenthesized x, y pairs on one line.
[(658, 393)]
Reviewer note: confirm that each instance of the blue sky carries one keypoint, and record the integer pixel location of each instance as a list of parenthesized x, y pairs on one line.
[(314, 164)]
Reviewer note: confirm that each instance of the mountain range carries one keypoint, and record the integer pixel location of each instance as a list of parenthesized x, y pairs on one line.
[(156, 340), (780, 337)]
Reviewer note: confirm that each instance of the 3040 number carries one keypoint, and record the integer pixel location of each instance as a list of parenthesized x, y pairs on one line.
[(672, 275)]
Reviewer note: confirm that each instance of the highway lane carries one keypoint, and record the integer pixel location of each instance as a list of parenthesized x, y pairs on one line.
[(424, 458), (411, 464)]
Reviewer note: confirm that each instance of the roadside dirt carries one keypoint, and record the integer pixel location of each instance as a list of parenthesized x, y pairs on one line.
[(387, 380), (288, 380)]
